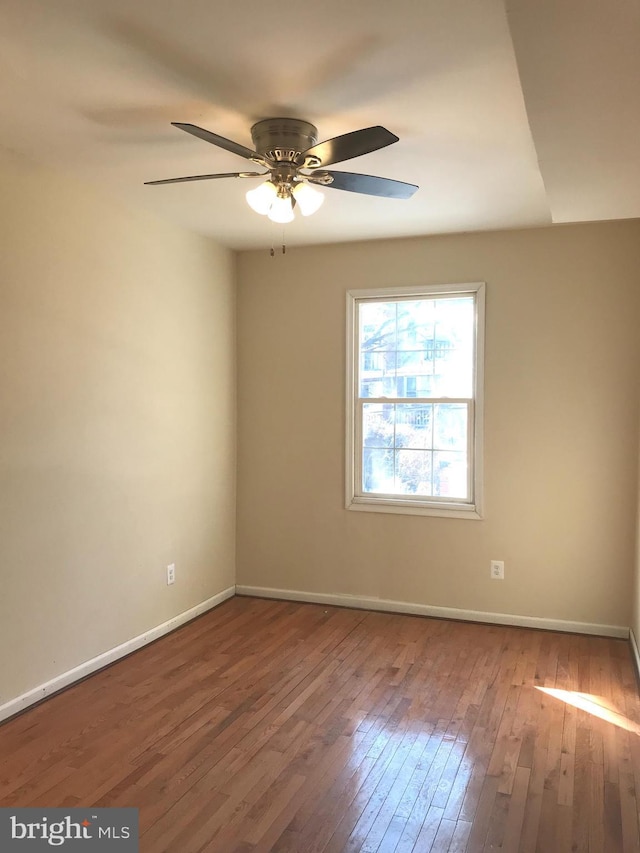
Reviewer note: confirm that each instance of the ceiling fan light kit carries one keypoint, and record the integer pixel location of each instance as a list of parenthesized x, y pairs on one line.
[(281, 209), (261, 198), (294, 161), (309, 199)]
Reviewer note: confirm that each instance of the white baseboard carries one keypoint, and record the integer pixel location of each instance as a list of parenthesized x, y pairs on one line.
[(635, 652), (439, 612), (63, 680)]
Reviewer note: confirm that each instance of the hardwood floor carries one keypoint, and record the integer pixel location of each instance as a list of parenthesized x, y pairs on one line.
[(297, 728)]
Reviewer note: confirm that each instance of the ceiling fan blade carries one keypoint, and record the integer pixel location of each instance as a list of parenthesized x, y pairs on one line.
[(220, 141), (349, 145), (207, 177), (368, 184)]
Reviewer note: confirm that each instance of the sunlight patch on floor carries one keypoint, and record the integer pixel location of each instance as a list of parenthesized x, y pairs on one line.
[(596, 705)]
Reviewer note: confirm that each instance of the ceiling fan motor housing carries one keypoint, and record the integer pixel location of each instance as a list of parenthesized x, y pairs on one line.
[(282, 139)]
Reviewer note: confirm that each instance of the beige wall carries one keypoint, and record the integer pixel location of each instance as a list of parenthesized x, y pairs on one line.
[(561, 426), (117, 424)]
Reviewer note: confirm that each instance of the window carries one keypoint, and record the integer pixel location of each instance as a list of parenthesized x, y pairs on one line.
[(414, 407)]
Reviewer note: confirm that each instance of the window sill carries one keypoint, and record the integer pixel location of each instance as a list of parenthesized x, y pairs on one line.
[(385, 505)]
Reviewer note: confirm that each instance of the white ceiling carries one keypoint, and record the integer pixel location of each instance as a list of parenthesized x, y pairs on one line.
[(507, 117)]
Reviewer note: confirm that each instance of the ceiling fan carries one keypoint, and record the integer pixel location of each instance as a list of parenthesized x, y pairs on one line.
[(294, 160)]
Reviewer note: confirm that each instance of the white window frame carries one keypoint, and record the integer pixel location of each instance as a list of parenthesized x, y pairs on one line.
[(355, 499)]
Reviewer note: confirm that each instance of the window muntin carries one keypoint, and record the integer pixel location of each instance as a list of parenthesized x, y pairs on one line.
[(414, 403)]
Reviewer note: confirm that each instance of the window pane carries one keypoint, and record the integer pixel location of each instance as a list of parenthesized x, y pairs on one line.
[(378, 374), (450, 426), (450, 474), (377, 326), (426, 386), (414, 373), (414, 427), (416, 319), (378, 424), (377, 470), (381, 387), (413, 472)]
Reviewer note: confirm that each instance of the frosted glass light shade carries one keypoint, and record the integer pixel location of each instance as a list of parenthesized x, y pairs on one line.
[(308, 198), (281, 210), (261, 198)]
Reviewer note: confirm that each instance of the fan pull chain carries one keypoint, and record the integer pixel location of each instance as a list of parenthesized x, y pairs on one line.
[(272, 250)]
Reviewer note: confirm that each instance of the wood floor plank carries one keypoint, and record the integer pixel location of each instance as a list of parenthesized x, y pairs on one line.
[(517, 804), (460, 837), (483, 817), (580, 814), (427, 835), (298, 728)]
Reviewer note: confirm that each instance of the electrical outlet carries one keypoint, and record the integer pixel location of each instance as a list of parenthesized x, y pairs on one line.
[(497, 570), (171, 574)]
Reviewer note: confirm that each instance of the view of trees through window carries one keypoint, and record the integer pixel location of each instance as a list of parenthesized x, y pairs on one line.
[(415, 389)]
